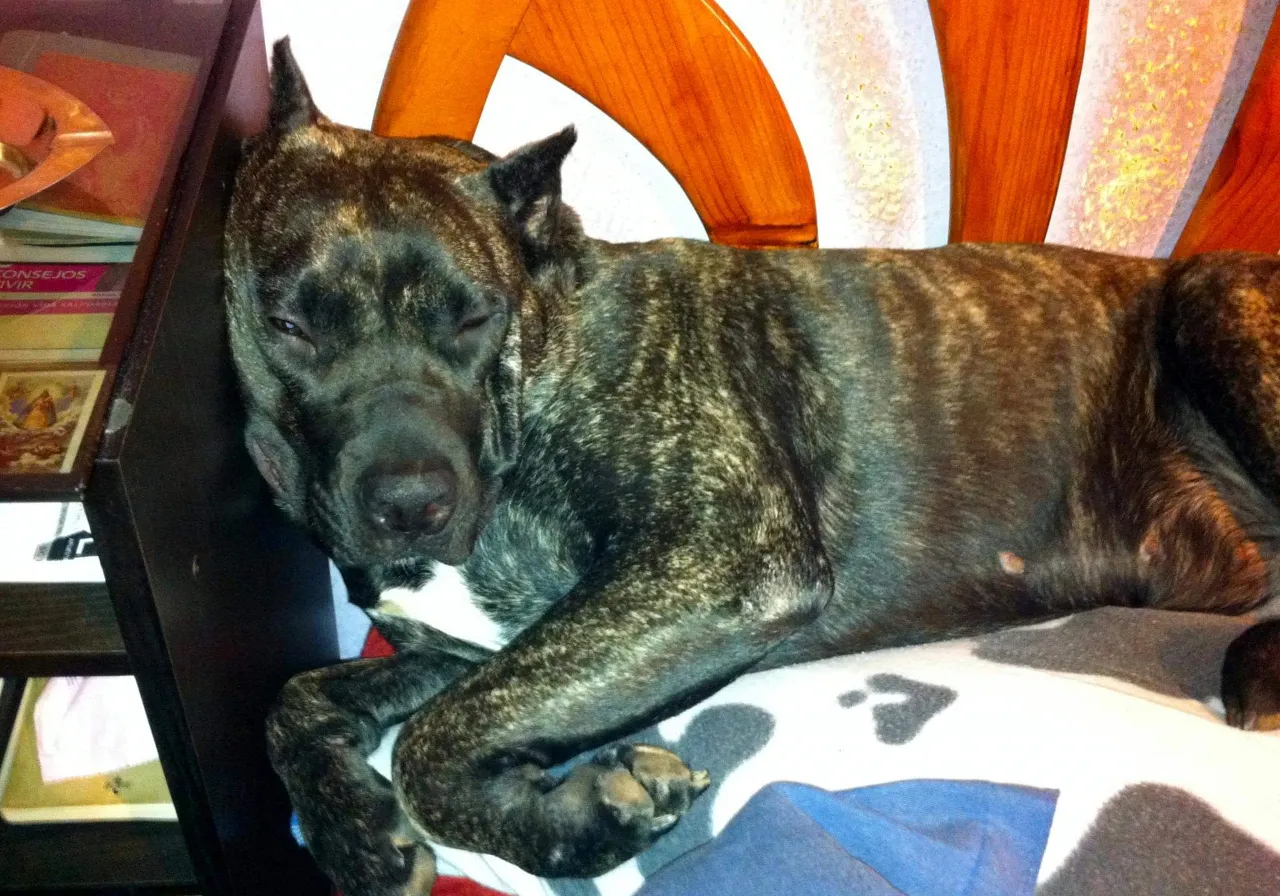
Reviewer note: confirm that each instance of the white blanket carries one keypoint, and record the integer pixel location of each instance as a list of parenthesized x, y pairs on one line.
[(1117, 709)]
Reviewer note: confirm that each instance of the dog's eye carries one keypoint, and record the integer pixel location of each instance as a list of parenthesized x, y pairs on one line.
[(288, 327), (475, 323)]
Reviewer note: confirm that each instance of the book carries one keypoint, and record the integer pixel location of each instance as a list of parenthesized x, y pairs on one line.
[(140, 94), (138, 793), (54, 313), (90, 253), (29, 227)]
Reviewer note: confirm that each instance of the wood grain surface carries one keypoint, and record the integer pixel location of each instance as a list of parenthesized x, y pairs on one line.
[(677, 74), (444, 61), (1010, 70)]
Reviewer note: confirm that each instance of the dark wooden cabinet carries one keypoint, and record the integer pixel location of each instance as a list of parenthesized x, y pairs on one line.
[(211, 598)]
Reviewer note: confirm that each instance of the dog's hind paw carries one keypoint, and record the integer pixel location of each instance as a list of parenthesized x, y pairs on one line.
[(401, 869), (1251, 678), (422, 869), (371, 851), (616, 805)]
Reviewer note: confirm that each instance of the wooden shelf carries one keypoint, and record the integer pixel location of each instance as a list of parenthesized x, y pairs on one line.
[(191, 29), (107, 856), (219, 600), (95, 857), (59, 629)]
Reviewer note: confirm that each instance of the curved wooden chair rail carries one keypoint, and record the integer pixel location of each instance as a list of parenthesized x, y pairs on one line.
[(676, 74), (26, 102), (681, 78)]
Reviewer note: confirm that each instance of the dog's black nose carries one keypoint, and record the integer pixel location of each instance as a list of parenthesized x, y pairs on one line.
[(409, 499)]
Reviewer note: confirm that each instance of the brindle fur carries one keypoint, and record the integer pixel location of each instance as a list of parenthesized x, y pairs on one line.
[(678, 461)]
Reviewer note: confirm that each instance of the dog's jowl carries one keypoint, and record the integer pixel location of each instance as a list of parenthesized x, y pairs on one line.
[(648, 468)]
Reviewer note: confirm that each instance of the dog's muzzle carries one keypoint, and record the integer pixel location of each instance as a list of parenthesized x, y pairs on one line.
[(409, 478), (413, 499)]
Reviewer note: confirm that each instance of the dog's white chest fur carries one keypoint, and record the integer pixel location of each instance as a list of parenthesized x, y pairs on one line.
[(446, 604)]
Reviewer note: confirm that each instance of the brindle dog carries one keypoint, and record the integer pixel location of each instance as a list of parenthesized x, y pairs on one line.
[(657, 466)]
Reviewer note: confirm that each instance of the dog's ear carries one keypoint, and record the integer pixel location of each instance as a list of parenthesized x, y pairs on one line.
[(291, 103), (277, 463), (527, 183)]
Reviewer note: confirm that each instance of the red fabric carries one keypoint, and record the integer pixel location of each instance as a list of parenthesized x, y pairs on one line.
[(375, 645), (460, 886), (455, 886)]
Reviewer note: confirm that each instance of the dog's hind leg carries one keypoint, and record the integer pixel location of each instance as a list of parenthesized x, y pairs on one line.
[(1220, 344), (1220, 341), (320, 734)]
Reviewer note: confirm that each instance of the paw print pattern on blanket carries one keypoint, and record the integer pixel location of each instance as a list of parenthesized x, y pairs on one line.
[(1152, 838), (720, 738), (1178, 654), (900, 721)]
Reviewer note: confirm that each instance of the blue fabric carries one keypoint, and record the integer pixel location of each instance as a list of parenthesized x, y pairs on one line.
[(908, 838)]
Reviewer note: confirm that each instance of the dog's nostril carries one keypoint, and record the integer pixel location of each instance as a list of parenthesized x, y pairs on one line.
[(410, 499)]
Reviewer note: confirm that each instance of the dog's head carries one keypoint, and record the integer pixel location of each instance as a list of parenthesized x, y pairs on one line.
[(374, 290)]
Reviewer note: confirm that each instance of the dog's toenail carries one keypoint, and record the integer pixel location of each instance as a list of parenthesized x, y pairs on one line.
[(664, 823)]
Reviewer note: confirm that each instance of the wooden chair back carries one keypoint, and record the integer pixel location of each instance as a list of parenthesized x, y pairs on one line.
[(684, 81), (676, 74)]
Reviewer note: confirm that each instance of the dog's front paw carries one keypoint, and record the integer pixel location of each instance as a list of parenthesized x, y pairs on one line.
[(1251, 678), (364, 848), (669, 786), (608, 810)]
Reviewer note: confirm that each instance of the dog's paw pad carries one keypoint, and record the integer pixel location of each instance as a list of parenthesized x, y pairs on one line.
[(625, 798), (671, 785), (611, 808)]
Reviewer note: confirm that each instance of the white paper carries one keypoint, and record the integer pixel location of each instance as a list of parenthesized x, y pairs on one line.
[(91, 726)]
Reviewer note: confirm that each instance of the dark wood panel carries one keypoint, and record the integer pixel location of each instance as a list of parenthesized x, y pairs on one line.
[(191, 28), (59, 629), (219, 598), (10, 697), (94, 856)]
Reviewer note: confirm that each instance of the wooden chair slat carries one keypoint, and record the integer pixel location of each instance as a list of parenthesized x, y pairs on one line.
[(1010, 70), (442, 66)]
